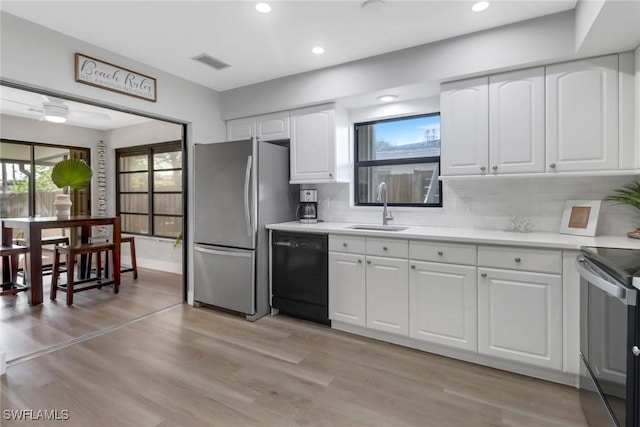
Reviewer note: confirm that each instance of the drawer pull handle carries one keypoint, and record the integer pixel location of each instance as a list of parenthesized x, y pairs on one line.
[(384, 248), (552, 165), (368, 262), (413, 267), (483, 274), (344, 245), (482, 168), (635, 350), (359, 261), (517, 259), (495, 168), (440, 253)]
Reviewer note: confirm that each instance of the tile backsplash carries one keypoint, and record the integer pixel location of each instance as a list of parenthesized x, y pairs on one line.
[(492, 203)]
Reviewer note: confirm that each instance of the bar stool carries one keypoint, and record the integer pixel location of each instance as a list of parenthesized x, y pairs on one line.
[(132, 247), (123, 269), (46, 241), (71, 252), (13, 252)]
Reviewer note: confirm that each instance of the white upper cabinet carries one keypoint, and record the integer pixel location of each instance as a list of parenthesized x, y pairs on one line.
[(464, 112), (268, 127), (273, 127), (241, 129), (319, 145), (582, 115), (516, 122)]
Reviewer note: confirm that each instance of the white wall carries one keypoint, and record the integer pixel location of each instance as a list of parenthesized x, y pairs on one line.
[(39, 58), (547, 39)]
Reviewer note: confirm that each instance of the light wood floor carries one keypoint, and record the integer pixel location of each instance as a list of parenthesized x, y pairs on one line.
[(26, 329), (201, 367)]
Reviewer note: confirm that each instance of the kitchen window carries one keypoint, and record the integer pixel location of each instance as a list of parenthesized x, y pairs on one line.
[(405, 154), (149, 189)]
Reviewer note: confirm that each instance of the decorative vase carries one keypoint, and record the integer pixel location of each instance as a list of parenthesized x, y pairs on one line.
[(62, 205)]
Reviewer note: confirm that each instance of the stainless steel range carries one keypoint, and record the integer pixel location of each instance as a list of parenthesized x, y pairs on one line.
[(610, 336)]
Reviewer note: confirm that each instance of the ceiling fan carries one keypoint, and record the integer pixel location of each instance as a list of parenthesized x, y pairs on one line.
[(55, 110)]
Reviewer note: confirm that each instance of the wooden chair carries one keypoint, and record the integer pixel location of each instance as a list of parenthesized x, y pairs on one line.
[(13, 252), (71, 252)]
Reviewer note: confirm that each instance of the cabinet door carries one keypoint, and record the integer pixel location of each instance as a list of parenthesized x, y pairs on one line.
[(443, 304), (388, 294), (516, 122), (241, 129), (464, 112), (582, 115), (313, 157), (273, 127), (520, 316), (347, 288)]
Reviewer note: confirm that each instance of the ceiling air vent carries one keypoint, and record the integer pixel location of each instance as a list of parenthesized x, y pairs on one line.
[(211, 61)]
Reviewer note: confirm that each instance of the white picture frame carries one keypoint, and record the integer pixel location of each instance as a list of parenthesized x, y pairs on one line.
[(580, 217)]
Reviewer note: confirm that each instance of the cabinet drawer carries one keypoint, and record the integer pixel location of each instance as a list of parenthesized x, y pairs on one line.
[(388, 247), (515, 258), (451, 253), (347, 244)]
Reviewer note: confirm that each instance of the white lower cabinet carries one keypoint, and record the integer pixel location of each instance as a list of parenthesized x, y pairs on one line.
[(520, 316), (388, 294), (443, 304), (347, 293), (504, 302)]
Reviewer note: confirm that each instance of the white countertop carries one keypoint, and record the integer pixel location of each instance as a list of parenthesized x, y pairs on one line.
[(467, 235)]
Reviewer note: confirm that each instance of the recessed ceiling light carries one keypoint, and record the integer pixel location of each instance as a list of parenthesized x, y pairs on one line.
[(318, 50), (480, 6), (372, 5), (386, 98), (263, 7)]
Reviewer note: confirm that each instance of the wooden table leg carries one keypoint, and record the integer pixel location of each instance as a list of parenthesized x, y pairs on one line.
[(116, 252), (34, 241), (7, 234)]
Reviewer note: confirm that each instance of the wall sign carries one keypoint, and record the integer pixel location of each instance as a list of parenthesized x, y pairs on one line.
[(101, 74)]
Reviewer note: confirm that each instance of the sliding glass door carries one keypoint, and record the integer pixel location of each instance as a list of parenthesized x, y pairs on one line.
[(25, 179)]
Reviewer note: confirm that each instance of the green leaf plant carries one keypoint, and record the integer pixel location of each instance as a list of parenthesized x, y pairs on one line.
[(628, 194), (72, 173)]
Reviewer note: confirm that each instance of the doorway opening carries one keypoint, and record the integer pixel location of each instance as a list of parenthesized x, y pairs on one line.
[(29, 147)]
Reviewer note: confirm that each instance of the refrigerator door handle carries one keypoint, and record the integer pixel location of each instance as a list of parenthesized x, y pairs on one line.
[(247, 213), (226, 253)]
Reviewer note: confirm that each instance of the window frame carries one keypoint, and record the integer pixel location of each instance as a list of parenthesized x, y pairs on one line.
[(149, 150), (81, 203), (357, 163)]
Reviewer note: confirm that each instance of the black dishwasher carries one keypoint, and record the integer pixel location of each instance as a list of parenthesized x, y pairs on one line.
[(300, 275)]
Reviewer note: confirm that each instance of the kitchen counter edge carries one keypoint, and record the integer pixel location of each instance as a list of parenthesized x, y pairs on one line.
[(465, 235)]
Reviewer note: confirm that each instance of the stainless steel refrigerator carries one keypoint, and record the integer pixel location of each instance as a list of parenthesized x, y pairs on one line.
[(240, 187)]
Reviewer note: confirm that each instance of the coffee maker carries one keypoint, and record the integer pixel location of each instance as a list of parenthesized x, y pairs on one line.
[(308, 207)]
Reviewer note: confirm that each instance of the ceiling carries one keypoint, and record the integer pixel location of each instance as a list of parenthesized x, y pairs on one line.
[(261, 47), (29, 105)]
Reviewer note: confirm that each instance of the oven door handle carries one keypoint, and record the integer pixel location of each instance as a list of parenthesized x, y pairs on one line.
[(593, 276)]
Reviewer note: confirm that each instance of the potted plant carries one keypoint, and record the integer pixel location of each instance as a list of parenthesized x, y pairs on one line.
[(628, 194), (72, 173)]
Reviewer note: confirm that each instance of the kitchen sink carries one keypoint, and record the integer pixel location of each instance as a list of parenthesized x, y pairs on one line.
[(377, 227)]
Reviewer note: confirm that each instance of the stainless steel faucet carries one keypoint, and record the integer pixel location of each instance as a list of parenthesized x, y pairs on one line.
[(382, 197)]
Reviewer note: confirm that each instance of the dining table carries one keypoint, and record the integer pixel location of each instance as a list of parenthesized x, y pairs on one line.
[(32, 228)]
